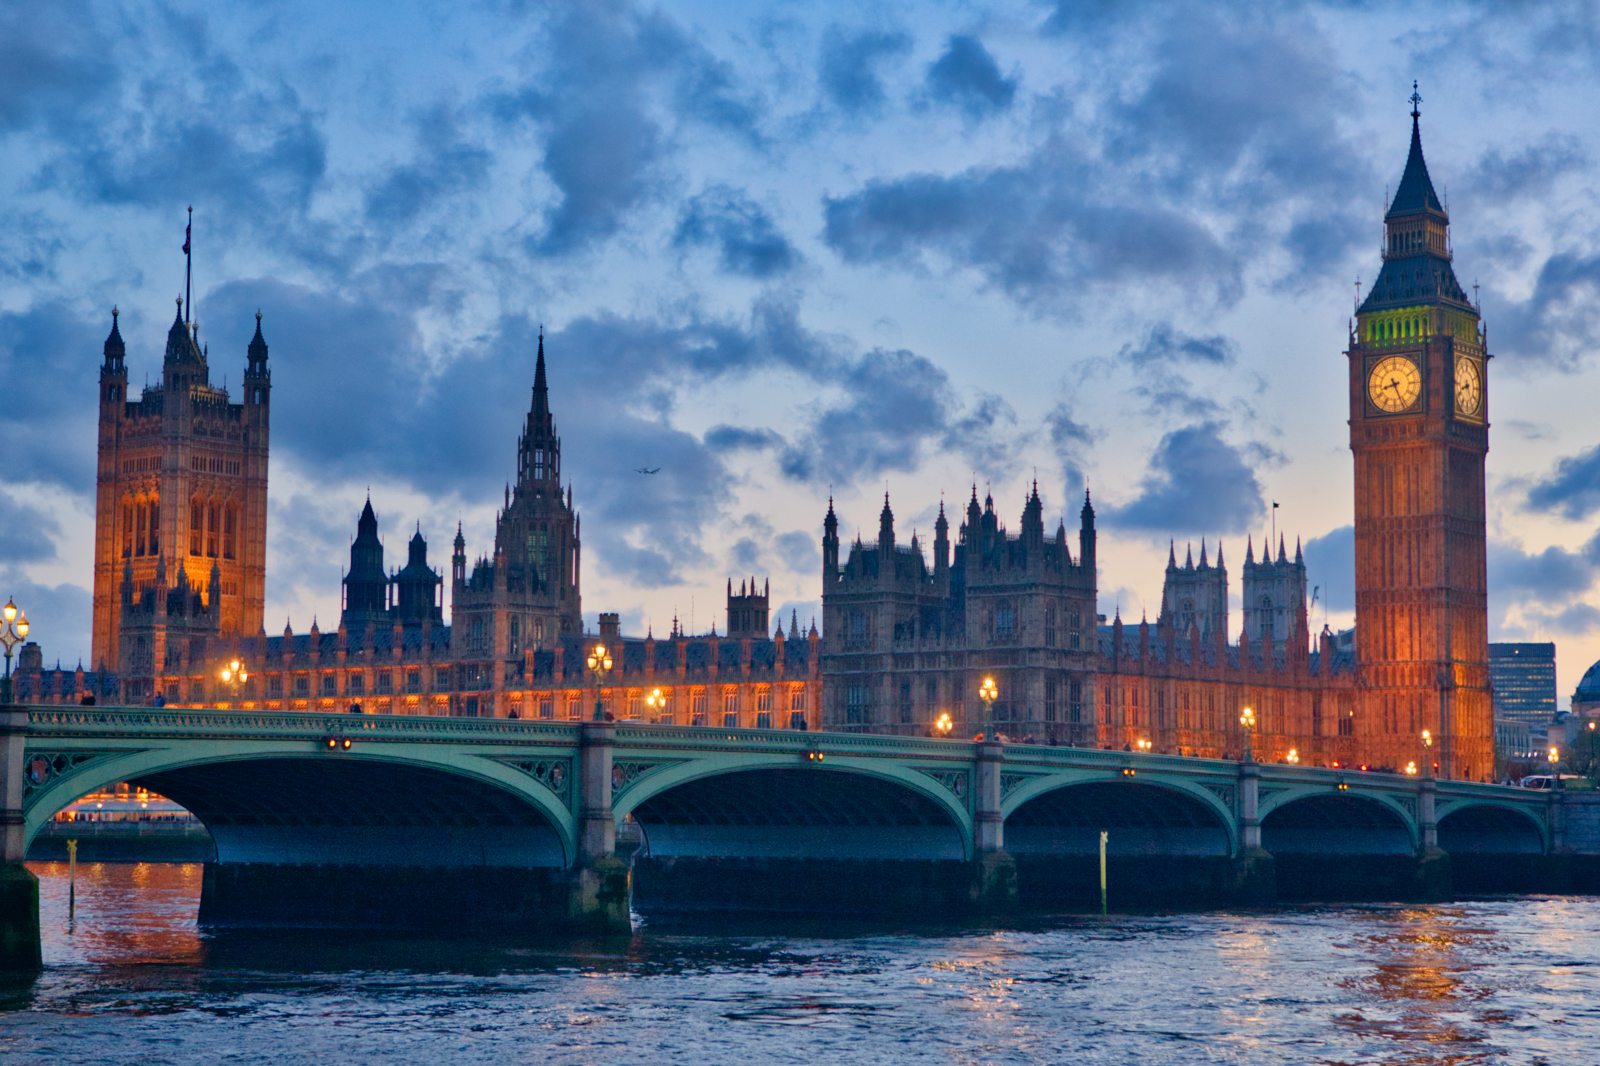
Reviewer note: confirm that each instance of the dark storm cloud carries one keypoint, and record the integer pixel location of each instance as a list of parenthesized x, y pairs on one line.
[(746, 239), (600, 102), (309, 544), (1071, 440), (739, 438), (27, 533), (1175, 397), (1331, 567), (985, 434), (1081, 17), (1166, 345), (1545, 588), (1516, 575), (1557, 324), (966, 76), (1182, 180), (1572, 489), (1266, 129), (52, 65), (446, 164), (56, 615), (1195, 481), (1037, 231), (30, 248), (849, 67), (49, 378), (1267, 144), (1500, 176), (800, 551), (190, 123), (1065, 431), (894, 403)]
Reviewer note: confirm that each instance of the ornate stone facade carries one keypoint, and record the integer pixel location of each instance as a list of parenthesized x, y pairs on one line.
[(181, 494)]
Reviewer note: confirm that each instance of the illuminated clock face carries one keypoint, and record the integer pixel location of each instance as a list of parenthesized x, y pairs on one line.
[(1469, 387), (1395, 384)]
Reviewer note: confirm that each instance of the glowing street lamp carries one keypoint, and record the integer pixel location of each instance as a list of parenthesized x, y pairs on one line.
[(1143, 744), (656, 700), (1247, 723), (234, 675), (1293, 758), (943, 724), (599, 663), (988, 692), (13, 631), (1427, 753)]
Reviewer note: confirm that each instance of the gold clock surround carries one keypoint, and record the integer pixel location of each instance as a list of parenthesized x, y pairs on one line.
[(1394, 384), (1468, 388)]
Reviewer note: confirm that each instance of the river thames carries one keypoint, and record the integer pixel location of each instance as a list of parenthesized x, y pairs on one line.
[(132, 979)]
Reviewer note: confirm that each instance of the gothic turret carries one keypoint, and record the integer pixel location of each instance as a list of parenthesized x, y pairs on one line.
[(416, 587), (830, 546), (539, 449), (1086, 557), (366, 586)]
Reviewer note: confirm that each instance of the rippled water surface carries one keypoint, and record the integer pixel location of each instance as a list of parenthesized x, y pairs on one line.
[(133, 980)]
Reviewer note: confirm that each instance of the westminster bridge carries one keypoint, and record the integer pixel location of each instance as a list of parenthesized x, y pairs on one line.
[(353, 820)]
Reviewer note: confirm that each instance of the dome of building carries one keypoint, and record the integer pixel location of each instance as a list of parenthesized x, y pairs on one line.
[(1588, 690)]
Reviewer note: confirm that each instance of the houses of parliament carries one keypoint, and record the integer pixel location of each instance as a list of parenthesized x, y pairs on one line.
[(907, 634)]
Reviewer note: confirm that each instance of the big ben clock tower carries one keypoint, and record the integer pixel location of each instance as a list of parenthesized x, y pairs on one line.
[(1419, 432)]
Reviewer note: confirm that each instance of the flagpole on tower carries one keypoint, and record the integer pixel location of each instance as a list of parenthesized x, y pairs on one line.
[(188, 269)]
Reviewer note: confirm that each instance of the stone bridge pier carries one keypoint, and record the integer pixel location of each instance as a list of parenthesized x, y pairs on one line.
[(19, 889), (600, 882)]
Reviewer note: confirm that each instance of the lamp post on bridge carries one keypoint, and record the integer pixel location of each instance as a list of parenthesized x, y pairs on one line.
[(1247, 725), (988, 692), (13, 631), (599, 663), (234, 675), (656, 701)]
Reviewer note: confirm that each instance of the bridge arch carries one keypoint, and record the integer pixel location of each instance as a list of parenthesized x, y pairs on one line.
[(1324, 819), (1064, 815), (285, 804), (786, 808), (1337, 823), (1486, 828)]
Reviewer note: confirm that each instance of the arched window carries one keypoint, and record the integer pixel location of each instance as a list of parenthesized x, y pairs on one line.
[(1266, 617), (153, 527), (211, 529), (197, 527), (230, 531), (127, 529), (1005, 621)]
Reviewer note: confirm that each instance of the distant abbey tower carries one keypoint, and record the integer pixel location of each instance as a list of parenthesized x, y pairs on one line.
[(180, 499)]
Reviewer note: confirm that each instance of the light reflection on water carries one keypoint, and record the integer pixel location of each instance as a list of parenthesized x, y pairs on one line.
[(1489, 982)]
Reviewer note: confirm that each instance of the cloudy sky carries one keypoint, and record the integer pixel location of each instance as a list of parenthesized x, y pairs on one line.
[(790, 248)]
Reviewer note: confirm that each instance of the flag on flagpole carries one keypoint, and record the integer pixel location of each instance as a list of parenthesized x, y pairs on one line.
[(186, 252)]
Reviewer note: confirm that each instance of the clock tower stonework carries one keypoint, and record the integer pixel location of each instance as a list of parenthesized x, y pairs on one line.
[(1419, 433)]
